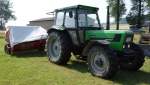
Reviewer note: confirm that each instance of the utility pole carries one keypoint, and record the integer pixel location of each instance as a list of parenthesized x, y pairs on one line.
[(118, 13)]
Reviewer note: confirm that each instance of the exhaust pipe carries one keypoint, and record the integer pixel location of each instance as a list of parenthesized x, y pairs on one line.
[(118, 13), (108, 19)]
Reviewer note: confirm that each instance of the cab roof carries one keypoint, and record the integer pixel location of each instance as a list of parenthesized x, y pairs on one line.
[(78, 7)]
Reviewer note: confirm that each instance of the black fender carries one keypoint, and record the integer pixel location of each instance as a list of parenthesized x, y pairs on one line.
[(55, 28), (60, 29), (90, 44)]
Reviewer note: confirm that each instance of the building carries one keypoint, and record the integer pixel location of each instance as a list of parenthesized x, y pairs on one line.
[(43, 22), (48, 22)]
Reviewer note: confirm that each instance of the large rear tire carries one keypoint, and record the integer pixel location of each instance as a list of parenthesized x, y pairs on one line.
[(58, 47), (136, 61), (102, 62)]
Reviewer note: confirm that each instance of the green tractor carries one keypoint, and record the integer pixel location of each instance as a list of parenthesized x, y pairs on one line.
[(78, 30)]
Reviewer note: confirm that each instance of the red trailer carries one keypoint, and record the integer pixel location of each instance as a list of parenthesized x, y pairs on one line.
[(25, 38)]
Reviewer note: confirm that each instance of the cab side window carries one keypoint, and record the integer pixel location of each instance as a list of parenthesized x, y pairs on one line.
[(82, 20), (70, 19), (60, 17)]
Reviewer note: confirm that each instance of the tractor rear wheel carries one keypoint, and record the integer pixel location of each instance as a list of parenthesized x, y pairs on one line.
[(102, 62), (58, 47), (136, 61)]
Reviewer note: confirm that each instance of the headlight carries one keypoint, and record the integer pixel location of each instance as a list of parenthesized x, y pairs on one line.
[(128, 39)]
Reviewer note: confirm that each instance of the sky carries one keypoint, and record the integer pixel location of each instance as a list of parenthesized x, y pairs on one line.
[(27, 10)]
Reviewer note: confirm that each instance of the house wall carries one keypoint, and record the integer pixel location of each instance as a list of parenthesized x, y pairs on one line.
[(45, 24)]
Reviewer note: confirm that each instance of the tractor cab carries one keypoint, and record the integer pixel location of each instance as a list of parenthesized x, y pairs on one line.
[(81, 17)]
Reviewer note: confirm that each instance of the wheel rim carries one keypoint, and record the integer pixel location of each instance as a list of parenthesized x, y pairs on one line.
[(100, 63), (54, 49)]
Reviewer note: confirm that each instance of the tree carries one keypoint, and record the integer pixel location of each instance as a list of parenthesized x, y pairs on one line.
[(148, 2), (133, 16), (148, 6), (113, 8), (6, 12)]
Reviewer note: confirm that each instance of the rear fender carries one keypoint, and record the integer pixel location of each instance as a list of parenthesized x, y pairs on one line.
[(56, 28), (60, 29)]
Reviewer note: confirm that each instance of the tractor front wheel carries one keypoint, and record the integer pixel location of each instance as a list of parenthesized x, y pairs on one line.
[(102, 62), (135, 60)]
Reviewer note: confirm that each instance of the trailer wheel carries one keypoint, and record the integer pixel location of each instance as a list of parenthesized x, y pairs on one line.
[(102, 62), (58, 48), (137, 61), (42, 49), (7, 49)]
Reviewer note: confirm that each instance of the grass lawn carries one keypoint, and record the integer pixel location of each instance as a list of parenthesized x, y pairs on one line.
[(35, 69)]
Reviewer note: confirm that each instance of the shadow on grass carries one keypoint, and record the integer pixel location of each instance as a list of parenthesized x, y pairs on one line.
[(132, 78), (80, 66), (29, 54), (122, 77)]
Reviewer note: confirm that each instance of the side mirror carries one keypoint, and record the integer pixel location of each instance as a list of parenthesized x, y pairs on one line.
[(71, 14)]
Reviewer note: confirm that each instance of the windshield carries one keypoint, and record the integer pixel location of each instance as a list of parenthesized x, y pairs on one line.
[(87, 19)]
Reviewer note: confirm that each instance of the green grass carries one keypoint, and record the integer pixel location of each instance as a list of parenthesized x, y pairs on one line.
[(35, 69), (2, 34)]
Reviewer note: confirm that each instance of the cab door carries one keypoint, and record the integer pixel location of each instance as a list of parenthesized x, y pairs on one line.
[(70, 25)]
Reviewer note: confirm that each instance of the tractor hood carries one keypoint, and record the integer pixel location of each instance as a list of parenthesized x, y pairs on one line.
[(116, 37), (106, 34)]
